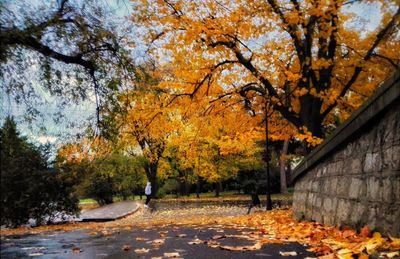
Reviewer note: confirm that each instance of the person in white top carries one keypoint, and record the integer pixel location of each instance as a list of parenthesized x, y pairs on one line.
[(147, 191)]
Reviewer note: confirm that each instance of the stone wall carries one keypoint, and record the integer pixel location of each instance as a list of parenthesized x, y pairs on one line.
[(355, 180)]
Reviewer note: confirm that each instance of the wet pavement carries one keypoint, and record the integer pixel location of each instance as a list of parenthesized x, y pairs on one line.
[(161, 242), (109, 212)]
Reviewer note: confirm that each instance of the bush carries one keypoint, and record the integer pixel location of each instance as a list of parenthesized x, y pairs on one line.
[(107, 177), (171, 186), (29, 190), (160, 193), (100, 188)]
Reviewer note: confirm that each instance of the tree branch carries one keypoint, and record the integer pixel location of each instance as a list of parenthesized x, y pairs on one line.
[(379, 37)]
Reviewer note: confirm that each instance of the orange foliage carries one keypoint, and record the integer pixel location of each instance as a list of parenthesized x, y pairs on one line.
[(302, 57)]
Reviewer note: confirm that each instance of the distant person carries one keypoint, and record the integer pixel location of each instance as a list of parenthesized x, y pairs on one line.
[(147, 191), (255, 200)]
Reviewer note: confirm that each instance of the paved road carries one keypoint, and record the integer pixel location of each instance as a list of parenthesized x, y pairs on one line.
[(110, 212), (160, 241)]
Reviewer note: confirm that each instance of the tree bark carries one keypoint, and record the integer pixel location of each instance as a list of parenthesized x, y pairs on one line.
[(217, 188), (198, 187), (283, 163)]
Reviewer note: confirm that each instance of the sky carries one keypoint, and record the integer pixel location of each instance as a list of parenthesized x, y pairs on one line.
[(47, 127)]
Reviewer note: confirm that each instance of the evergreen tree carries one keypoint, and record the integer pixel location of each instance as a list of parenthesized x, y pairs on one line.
[(28, 188)]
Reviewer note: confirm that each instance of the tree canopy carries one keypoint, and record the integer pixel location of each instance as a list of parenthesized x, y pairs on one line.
[(303, 58)]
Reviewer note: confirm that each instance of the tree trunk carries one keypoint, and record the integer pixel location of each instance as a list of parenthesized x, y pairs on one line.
[(198, 187), (217, 188), (310, 115), (283, 163)]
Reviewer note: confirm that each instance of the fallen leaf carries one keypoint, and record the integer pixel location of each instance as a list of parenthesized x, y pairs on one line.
[(365, 232), (196, 242), (141, 239), (390, 254), (171, 255), (126, 247), (348, 233), (163, 233), (291, 253), (328, 256), (35, 254), (344, 251), (76, 250), (142, 251), (218, 237), (157, 242)]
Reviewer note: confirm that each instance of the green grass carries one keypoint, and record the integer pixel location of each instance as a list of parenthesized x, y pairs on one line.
[(86, 201)]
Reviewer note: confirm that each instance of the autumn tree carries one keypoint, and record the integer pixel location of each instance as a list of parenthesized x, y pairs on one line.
[(214, 139), (311, 61), (144, 124)]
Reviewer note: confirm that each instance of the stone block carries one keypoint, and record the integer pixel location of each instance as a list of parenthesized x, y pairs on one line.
[(357, 214), (325, 185), (315, 186), (319, 172), (310, 199), (391, 157), (355, 188), (324, 170), (372, 217), (340, 167), (348, 150), (396, 187), (374, 190), (370, 162), (299, 186), (309, 185), (355, 166), (329, 206), (387, 190), (343, 186), (343, 212), (333, 185), (317, 203)]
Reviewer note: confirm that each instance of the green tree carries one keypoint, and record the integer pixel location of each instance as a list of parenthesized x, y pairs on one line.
[(28, 188), (106, 177)]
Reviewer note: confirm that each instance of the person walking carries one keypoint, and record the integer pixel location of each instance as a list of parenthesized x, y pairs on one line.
[(147, 191)]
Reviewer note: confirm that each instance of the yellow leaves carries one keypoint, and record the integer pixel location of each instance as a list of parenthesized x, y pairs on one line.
[(374, 242), (390, 254), (172, 255), (142, 251), (308, 137), (292, 76), (291, 253)]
